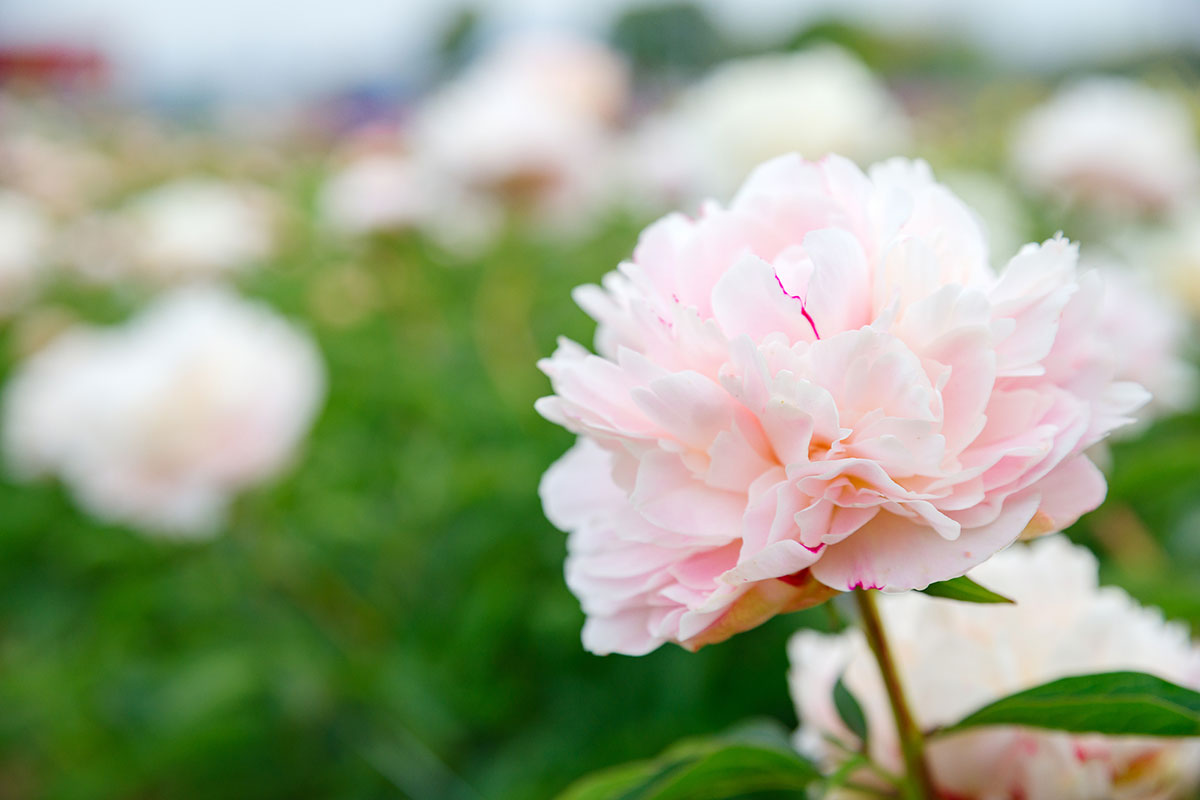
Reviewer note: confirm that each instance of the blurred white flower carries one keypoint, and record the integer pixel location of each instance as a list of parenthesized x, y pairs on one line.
[(583, 76), (378, 182), (1145, 332), (1170, 252), (1110, 142), (377, 192), (528, 125), (158, 422), (815, 102), (25, 239), (195, 228), (392, 192), (955, 657)]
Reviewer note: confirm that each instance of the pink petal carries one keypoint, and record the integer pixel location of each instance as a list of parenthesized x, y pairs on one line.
[(895, 553)]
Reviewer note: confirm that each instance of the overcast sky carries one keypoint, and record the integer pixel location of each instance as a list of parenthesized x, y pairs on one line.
[(269, 47)]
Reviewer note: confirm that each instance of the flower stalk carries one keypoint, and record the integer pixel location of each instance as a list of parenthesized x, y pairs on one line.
[(917, 784)]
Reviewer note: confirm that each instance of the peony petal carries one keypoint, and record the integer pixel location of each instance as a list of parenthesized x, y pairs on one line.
[(895, 553), (667, 494), (1067, 492), (578, 487), (752, 299), (759, 603)]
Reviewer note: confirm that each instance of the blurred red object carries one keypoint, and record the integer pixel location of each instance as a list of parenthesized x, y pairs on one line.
[(57, 66)]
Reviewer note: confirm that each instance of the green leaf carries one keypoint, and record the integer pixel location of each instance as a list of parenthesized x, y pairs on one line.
[(732, 771), (750, 759), (845, 771), (849, 709), (1116, 703), (613, 782), (964, 589)]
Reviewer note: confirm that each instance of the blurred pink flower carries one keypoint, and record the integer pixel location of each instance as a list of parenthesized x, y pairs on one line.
[(956, 657), (200, 228), (822, 386)]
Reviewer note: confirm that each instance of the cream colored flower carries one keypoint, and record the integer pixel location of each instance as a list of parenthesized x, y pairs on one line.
[(955, 657), (1170, 252), (377, 192), (1111, 143), (1145, 332), (159, 422), (25, 241), (745, 112), (188, 229), (528, 126)]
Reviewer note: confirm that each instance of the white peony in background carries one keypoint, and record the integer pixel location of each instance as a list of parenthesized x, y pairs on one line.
[(815, 102), (25, 244), (956, 657), (160, 422), (1111, 143)]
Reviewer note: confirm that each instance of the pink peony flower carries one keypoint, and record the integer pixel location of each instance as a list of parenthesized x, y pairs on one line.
[(956, 657), (821, 387)]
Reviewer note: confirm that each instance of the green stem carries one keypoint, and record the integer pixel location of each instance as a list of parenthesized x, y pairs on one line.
[(918, 785)]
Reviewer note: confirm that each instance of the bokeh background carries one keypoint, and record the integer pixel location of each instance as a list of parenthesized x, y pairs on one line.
[(378, 610)]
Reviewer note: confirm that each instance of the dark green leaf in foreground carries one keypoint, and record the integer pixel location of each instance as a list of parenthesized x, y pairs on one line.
[(747, 760), (964, 589), (849, 709), (1117, 703)]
